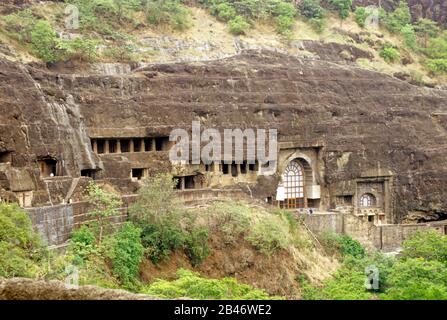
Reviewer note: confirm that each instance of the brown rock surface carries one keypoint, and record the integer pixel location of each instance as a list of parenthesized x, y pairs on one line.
[(381, 122), (28, 289)]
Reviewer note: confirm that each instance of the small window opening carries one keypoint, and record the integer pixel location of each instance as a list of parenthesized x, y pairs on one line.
[(125, 146)]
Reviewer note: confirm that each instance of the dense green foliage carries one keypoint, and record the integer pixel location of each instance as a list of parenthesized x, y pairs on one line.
[(341, 244), (343, 7), (190, 284), (396, 20), (169, 12), (105, 205), (21, 250), (126, 253), (161, 217), (390, 55), (420, 273)]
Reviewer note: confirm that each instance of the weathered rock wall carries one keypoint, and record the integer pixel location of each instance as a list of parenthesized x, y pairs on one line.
[(435, 10), (370, 121)]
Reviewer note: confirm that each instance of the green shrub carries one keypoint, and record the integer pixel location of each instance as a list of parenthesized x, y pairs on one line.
[(224, 11), (270, 234), (437, 66), (105, 205), (44, 42), (238, 25), (437, 47), (350, 247), (232, 219), (160, 241), (390, 55), (191, 285), (20, 24), (82, 244), (169, 12), (126, 253), (317, 24), (79, 49), (284, 24), (399, 18), (311, 9), (278, 8), (430, 245), (426, 28), (360, 16), (417, 279), (196, 246), (343, 7), (409, 37), (344, 245), (21, 250)]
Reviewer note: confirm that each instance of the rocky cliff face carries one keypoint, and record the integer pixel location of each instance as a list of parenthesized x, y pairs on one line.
[(364, 121), (430, 9)]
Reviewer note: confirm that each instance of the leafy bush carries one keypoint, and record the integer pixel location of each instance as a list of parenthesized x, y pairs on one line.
[(159, 241), (44, 42), (343, 7), (426, 28), (390, 55), (21, 249), (399, 18), (79, 48), (169, 12), (232, 219), (350, 247), (430, 245), (360, 16), (317, 24), (105, 205), (341, 244), (238, 25), (196, 245), (437, 47), (436, 66), (284, 24), (311, 9), (191, 285), (20, 24), (82, 244), (224, 11), (417, 279), (126, 253), (159, 214), (409, 37), (270, 234)]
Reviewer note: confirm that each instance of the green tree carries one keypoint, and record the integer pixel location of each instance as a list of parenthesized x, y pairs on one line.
[(21, 249), (311, 9), (126, 253), (390, 55), (105, 205), (397, 19), (426, 28), (44, 42), (409, 36), (360, 16), (417, 279), (430, 245), (343, 7), (238, 25)]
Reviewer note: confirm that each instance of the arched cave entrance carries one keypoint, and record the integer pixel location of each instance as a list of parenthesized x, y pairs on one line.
[(296, 177)]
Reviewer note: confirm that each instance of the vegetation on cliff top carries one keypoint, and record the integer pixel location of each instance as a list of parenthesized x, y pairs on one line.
[(109, 30)]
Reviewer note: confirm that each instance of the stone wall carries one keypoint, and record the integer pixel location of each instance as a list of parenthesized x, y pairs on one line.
[(56, 223), (387, 237)]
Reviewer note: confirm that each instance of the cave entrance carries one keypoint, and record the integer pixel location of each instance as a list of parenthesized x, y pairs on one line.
[(48, 167), (5, 157), (293, 179), (90, 173)]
